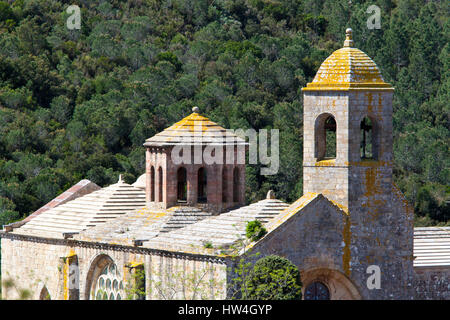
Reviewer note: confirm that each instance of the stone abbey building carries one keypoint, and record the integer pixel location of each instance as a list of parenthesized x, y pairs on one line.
[(179, 230)]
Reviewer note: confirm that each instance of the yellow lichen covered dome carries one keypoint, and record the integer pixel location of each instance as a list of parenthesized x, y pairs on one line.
[(194, 129), (348, 68)]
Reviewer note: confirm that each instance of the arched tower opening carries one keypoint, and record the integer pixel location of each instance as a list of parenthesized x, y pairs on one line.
[(160, 184), (236, 184), (325, 137), (202, 180), (152, 183), (224, 185), (181, 184), (369, 141)]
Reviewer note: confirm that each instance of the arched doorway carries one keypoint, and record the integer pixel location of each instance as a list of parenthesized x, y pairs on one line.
[(317, 291), (328, 284)]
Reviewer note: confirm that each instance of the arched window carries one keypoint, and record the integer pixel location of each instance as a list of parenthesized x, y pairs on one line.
[(202, 190), (152, 183), (330, 138), (181, 184), (160, 184), (368, 139), (224, 185), (325, 137), (104, 281), (317, 291), (109, 285), (236, 184)]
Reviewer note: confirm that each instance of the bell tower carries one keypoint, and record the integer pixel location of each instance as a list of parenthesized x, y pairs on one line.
[(347, 157), (348, 128)]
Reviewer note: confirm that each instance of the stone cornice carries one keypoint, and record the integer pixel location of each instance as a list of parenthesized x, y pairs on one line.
[(114, 247)]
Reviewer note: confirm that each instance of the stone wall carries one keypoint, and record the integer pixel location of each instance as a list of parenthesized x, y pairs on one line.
[(34, 265), (157, 158), (157, 187), (316, 240), (432, 283), (328, 246), (382, 235)]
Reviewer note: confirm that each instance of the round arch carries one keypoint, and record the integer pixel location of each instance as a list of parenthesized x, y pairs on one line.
[(370, 136), (181, 184), (339, 285), (95, 268), (325, 136), (152, 183)]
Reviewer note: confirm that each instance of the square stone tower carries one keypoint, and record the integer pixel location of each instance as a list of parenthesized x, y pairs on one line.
[(347, 157)]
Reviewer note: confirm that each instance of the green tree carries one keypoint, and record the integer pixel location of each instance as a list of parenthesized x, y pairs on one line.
[(273, 278), (7, 213), (87, 99)]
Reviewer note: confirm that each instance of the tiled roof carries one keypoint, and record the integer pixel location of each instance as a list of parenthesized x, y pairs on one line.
[(195, 129), (348, 68), (432, 246), (143, 224), (84, 186), (220, 231), (87, 211)]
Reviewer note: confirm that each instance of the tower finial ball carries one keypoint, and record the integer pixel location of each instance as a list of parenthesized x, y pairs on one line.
[(348, 38), (196, 110)]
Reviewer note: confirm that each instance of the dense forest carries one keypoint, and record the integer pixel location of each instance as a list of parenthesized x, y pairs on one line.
[(78, 104)]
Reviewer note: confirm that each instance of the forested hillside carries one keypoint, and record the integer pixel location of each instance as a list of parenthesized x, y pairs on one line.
[(78, 104)]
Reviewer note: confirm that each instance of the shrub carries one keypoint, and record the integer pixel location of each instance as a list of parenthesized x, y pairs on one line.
[(273, 278), (255, 230)]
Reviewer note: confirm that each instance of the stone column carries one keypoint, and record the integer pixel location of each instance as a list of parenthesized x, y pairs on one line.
[(191, 180), (214, 187), (229, 182), (160, 175), (242, 184), (147, 175)]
